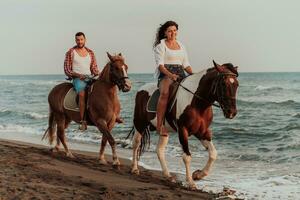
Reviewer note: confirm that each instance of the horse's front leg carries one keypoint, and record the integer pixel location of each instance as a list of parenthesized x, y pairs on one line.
[(160, 150), (102, 159), (212, 156), (187, 158), (105, 129)]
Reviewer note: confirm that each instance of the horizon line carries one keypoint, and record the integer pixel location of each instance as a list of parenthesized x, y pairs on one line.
[(147, 73)]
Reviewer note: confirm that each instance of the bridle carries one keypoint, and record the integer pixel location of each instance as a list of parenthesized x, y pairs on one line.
[(215, 89), (118, 80), (218, 89)]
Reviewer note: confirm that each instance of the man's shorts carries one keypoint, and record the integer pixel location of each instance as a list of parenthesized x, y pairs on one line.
[(79, 85)]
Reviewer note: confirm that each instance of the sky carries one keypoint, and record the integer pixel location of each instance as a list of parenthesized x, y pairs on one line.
[(256, 35)]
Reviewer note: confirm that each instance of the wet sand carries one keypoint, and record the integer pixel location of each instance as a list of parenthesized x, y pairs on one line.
[(30, 171)]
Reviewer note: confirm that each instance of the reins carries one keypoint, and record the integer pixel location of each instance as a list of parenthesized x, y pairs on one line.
[(215, 85), (196, 95)]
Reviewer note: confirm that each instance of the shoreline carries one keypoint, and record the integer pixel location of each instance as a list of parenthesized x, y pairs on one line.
[(31, 170)]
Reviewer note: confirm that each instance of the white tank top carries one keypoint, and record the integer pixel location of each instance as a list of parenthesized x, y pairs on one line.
[(81, 65)]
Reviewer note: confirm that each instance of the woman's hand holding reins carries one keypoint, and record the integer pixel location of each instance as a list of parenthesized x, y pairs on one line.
[(173, 77)]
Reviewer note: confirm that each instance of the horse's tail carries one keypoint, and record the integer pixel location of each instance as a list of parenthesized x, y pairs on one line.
[(50, 131), (145, 140)]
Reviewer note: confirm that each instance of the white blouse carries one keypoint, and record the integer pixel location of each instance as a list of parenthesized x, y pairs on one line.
[(163, 55)]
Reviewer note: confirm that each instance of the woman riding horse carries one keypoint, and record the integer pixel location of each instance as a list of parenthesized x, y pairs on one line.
[(191, 114), (172, 62)]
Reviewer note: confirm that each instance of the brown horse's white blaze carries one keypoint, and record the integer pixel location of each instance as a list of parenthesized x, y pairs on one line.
[(127, 81), (103, 106), (191, 115)]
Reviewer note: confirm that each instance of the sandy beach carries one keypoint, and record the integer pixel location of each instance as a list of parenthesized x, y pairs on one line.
[(31, 171)]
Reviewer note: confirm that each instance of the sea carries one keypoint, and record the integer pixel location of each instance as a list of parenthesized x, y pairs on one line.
[(258, 150)]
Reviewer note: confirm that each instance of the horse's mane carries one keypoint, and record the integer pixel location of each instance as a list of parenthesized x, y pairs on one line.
[(104, 76), (229, 66)]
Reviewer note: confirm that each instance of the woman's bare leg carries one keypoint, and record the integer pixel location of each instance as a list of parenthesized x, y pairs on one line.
[(162, 104)]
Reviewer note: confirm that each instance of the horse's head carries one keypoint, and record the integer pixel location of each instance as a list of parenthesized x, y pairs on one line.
[(116, 72), (225, 88)]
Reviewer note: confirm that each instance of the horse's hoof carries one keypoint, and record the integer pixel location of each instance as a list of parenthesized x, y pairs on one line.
[(118, 167), (192, 186), (116, 162), (198, 175), (172, 179), (70, 155), (135, 171), (52, 150), (102, 162)]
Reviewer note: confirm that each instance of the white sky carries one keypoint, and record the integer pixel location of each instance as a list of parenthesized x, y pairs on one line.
[(256, 35)]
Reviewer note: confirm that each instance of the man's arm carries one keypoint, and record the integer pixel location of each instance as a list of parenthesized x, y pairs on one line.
[(94, 67), (68, 64), (68, 68)]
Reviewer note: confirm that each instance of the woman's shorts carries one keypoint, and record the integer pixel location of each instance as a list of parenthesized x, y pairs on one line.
[(174, 69)]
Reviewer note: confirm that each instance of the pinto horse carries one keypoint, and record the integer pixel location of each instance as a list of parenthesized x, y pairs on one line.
[(191, 114), (103, 106)]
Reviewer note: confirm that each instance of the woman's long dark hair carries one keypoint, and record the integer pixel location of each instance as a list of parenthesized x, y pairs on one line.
[(161, 31)]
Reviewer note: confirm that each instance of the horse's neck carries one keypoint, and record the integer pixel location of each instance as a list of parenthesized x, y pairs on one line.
[(106, 87), (203, 97), (185, 92)]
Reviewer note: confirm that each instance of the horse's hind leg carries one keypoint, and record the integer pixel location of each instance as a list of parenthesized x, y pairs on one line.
[(135, 149), (61, 135), (102, 149), (57, 146)]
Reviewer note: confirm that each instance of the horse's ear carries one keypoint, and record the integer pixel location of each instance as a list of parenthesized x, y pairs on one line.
[(217, 66), (236, 70), (120, 54), (109, 56)]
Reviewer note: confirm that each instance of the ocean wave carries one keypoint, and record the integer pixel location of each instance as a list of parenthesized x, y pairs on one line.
[(5, 128), (289, 147), (290, 127), (26, 83), (285, 102), (296, 115), (246, 157), (30, 115), (34, 115), (267, 88)]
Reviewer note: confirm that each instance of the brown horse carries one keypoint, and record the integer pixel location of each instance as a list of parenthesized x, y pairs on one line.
[(189, 113), (103, 106)]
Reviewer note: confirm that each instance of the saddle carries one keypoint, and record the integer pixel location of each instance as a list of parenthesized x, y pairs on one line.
[(71, 100), (153, 100)]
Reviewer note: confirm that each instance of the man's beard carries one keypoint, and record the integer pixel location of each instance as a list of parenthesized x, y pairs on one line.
[(80, 46)]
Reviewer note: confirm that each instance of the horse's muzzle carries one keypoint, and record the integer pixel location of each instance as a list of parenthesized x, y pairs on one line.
[(230, 113), (126, 86)]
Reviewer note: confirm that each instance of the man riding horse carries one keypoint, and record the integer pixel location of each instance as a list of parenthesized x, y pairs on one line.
[(80, 63)]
